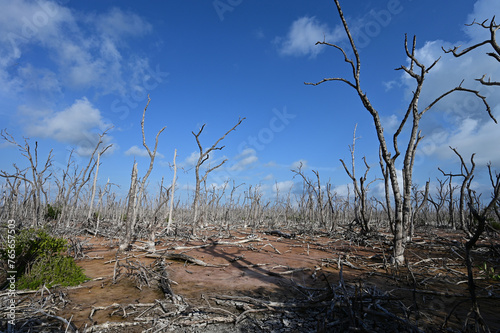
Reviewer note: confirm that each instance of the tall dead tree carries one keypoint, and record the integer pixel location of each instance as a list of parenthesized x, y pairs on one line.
[(203, 156), (171, 206), (70, 200), (439, 199), (137, 192), (468, 175), (361, 214), (129, 225), (480, 216), (418, 206), (315, 196), (38, 177), (418, 71)]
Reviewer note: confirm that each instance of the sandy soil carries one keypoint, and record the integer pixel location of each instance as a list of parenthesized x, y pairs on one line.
[(273, 268)]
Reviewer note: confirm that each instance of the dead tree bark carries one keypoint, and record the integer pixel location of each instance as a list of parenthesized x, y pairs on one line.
[(129, 225), (361, 215), (451, 189), (418, 207), (79, 182), (204, 155), (91, 205), (439, 199), (171, 208), (136, 194), (38, 177), (314, 191), (152, 155), (480, 216), (418, 71), (467, 178)]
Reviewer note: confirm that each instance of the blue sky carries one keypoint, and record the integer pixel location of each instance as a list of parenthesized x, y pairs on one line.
[(71, 69)]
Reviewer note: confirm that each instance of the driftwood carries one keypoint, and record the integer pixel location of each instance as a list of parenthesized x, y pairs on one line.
[(182, 257), (214, 243), (280, 234)]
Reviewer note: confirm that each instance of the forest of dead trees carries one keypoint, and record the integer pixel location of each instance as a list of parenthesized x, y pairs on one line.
[(72, 202)]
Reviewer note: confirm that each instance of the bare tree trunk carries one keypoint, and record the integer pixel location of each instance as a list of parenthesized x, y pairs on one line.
[(202, 158), (402, 201), (361, 216), (93, 187), (129, 215), (418, 207), (480, 325), (171, 208)]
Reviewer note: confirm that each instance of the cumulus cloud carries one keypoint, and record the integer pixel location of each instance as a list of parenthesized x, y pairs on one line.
[(269, 176), (460, 119), (390, 123), (79, 125), (299, 164), (283, 187), (136, 151), (303, 35), (118, 24), (82, 51), (245, 159), (191, 160), (471, 136)]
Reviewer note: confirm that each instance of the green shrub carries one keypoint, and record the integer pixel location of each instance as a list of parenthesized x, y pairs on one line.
[(495, 225), (52, 213), (39, 259), (489, 272), (31, 244), (52, 270)]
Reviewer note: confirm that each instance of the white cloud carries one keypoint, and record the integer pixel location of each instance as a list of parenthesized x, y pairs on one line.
[(472, 136), (283, 187), (343, 190), (303, 35), (119, 24), (390, 123), (389, 85), (245, 159), (79, 125), (300, 163), (136, 151), (269, 176), (83, 51), (460, 119), (191, 160), (483, 10)]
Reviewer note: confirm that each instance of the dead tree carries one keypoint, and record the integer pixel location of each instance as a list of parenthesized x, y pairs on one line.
[(204, 155), (480, 216), (361, 214), (313, 191), (418, 206), (70, 200), (492, 27), (468, 175), (451, 202), (387, 207), (129, 225), (38, 177), (418, 71), (94, 185), (132, 219), (171, 207), (439, 199)]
